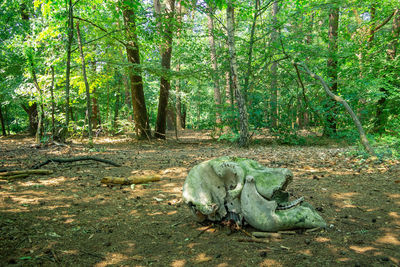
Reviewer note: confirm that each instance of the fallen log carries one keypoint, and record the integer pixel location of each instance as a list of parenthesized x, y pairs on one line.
[(61, 160), (27, 172), (130, 180)]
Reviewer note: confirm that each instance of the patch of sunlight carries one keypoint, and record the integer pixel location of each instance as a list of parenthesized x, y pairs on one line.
[(112, 258), (322, 239), (394, 215), (344, 196), (361, 250), (70, 252), (224, 264), (178, 263), (172, 212), (202, 257), (306, 252), (345, 199), (133, 212), (343, 259), (269, 262), (155, 213), (54, 181), (389, 238), (393, 195), (191, 245)]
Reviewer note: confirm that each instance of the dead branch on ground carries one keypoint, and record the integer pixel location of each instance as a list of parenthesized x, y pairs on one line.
[(61, 160)]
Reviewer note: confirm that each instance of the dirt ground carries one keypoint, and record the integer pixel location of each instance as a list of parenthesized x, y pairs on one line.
[(69, 218)]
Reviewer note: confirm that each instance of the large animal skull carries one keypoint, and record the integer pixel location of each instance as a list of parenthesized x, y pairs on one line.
[(228, 188)]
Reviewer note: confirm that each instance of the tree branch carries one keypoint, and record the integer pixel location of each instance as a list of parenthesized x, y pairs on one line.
[(386, 20), (101, 28), (360, 129)]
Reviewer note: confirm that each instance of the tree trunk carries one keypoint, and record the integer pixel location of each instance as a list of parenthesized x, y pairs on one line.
[(116, 108), (166, 52), (68, 67), (391, 52), (33, 117), (250, 52), (244, 131), (213, 54), (274, 71), (53, 104), (332, 71), (178, 105), (3, 126), (39, 128), (136, 83), (88, 107)]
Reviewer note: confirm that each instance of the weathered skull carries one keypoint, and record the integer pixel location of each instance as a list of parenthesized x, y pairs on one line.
[(235, 188)]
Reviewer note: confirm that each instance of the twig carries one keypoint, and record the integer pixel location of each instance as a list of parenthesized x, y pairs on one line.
[(253, 240)]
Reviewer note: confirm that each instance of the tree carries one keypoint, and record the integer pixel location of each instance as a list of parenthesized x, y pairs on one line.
[(213, 55), (88, 107), (165, 26), (244, 131), (332, 71), (136, 82), (274, 70)]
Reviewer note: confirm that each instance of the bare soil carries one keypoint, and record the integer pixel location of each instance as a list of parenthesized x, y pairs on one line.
[(69, 218)]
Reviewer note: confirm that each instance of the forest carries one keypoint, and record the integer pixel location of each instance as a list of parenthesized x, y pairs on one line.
[(148, 89)]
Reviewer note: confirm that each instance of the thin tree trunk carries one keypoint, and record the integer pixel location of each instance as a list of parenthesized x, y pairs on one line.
[(116, 108), (53, 104), (332, 70), (68, 65), (166, 53), (274, 71), (339, 99), (3, 127), (244, 131), (213, 54), (41, 112), (136, 83), (178, 105), (88, 107), (250, 52)]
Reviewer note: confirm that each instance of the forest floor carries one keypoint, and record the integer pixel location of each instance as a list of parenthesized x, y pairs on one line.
[(69, 218)]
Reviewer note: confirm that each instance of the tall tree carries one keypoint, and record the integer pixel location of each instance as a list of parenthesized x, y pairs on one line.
[(166, 28), (70, 36), (88, 107), (332, 70), (141, 118), (178, 103), (243, 117), (274, 70), (213, 54)]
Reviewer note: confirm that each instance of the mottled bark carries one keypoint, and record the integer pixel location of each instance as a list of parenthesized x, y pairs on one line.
[(141, 118), (166, 28), (88, 104), (332, 71), (244, 131)]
